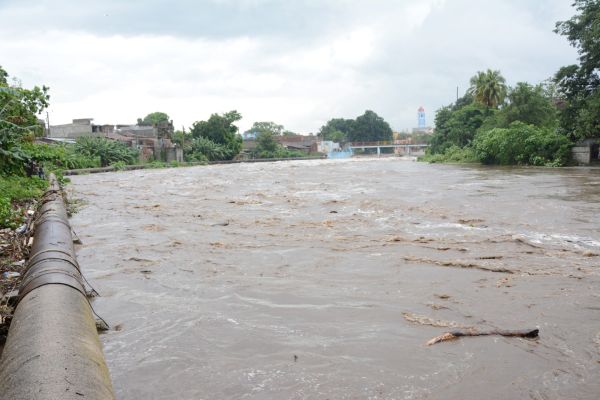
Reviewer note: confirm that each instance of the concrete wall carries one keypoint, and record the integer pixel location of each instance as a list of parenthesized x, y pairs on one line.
[(70, 131), (582, 154), (174, 154), (138, 131)]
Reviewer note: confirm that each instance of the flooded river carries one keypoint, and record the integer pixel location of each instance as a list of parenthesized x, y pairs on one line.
[(325, 279)]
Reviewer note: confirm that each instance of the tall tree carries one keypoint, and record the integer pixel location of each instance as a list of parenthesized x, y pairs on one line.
[(488, 88), (154, 118), (220, 129), (579, 85), (19, 108), (530, 104), (3, 77), (271, 127), (337, 129), (370, 127), (266, 143)]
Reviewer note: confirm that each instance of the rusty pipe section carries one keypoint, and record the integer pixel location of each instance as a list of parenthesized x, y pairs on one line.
[(53, 350)]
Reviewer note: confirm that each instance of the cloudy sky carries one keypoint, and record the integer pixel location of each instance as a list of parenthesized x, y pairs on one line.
[(295, 62)]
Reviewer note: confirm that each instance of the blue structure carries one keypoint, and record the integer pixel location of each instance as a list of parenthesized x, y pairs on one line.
[(346, 153), (421, 118), (249, 135)]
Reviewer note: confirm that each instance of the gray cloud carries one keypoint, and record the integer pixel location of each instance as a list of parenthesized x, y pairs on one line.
[(296, 62)]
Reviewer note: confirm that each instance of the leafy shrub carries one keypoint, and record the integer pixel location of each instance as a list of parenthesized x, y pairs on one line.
[(108, 151), (119, 165), (452, 154), (522, 144), (203, 148), (54, 157)]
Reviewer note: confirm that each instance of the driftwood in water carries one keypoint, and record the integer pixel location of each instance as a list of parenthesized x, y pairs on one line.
[(526, 333)]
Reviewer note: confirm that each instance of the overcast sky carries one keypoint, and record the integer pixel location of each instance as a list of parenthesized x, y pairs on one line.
[(296, 62)]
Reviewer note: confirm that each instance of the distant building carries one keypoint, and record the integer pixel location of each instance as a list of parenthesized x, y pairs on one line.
[(421, 118), (307, 144), (153, 142), (303, 143), (421, 123), (79, 127)]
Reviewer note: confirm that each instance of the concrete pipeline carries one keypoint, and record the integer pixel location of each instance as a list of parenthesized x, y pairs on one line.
[(53, 350)]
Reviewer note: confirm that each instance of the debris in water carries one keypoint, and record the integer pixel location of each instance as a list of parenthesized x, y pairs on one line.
[(139, 259), (424, 320), (226, 223), (101, 325), (503, 282), (526, 333), (458, 264), (434, 306)]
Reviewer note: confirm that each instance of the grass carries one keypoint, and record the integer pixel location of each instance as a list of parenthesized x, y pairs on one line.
[(14, 191)]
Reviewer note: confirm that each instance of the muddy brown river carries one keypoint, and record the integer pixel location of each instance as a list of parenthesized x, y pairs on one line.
[(324, 280)]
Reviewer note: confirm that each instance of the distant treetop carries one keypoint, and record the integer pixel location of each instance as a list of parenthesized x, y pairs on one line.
[(154, 118)]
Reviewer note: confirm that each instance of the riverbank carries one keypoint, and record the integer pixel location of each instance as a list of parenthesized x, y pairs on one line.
[(20, 196), (84, 171)]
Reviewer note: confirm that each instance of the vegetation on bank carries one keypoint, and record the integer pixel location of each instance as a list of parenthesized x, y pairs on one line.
[(368, 127), (14, 191), (24, 163), (527, 124), (18, 125)]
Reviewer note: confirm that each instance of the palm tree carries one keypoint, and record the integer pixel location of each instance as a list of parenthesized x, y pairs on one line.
[(489, 88)]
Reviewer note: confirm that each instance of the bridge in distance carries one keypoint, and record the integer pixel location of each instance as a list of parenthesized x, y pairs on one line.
[(403, 149)]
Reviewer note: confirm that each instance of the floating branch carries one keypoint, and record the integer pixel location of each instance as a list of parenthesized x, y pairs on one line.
[(526, 333)]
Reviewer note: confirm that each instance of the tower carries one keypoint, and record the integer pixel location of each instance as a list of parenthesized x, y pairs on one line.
[(421, 118)]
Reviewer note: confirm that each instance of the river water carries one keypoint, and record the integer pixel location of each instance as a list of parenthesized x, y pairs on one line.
[(324, 280)]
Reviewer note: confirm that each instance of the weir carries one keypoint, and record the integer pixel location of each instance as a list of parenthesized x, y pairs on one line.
[(53, 350)]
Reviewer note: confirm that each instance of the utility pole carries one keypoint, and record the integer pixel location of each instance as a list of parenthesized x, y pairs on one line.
[(457, 93), (48, 123)]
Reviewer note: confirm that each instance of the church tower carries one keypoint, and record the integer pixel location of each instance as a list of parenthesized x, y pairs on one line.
[(421, 118)]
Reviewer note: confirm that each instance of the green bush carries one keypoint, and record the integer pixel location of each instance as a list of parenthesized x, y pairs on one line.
[(55, 157), (522, 144), (268, 147), (452, 154), (119, 165), (108, 151), (203, 149)]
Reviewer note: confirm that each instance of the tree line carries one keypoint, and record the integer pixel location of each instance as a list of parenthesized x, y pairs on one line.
[(527, 124)]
